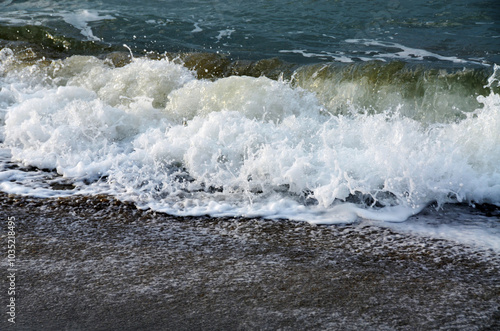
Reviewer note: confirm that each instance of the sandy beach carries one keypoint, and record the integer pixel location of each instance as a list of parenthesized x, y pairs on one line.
[(93, 263)]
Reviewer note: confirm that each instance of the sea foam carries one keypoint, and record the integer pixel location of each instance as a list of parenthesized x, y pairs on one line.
[(152, 133)]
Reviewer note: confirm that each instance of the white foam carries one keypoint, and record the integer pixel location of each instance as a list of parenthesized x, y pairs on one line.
[(196, 28), (401, 52), (338, 57), (407, 53), (239, 145), (458, 224), (18, 21), (160, 22), (81, 18), (224, 34)]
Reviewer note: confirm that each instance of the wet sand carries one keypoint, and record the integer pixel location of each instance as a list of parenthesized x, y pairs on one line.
[(93, 263)]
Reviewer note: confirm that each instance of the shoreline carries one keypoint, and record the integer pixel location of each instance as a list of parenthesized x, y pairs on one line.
[(94, 263)]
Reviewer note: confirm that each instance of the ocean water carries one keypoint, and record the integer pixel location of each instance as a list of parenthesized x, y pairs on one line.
[(321, 111)]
